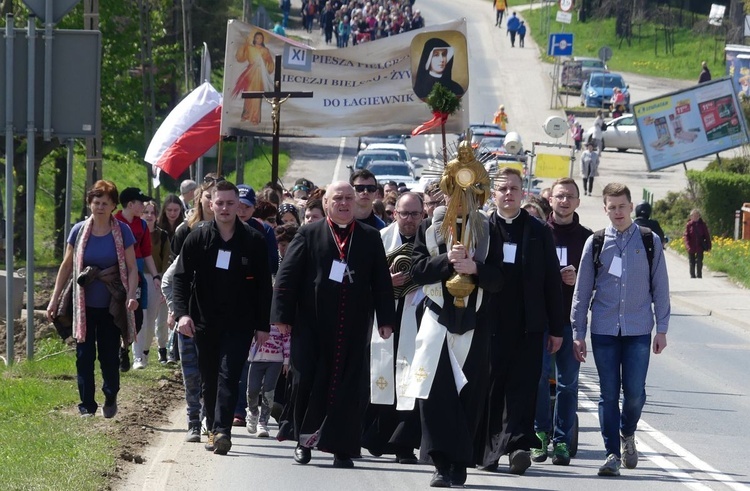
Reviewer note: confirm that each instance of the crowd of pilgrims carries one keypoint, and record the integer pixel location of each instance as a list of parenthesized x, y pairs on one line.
[(278, 304), (357, 21)]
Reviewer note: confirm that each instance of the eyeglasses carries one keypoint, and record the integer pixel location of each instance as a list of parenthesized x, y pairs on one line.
[(406, 214), (209, 179), (361, 188), (433, 203), (563, 197)]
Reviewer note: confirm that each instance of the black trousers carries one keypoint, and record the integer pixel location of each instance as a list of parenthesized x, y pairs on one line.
[(696, 264), (516, 368), (221, 356)]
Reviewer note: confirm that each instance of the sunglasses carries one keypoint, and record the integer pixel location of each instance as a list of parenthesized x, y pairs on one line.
[(209, 179), (361, 188), (300, 188)]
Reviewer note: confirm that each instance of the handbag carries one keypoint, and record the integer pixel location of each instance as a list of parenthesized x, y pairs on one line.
[(705, 244)]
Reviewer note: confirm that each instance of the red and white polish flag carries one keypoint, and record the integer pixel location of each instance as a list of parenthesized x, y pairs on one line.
[(188, 132)]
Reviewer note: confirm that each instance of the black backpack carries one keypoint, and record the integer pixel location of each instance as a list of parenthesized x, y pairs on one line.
[(648, 242)]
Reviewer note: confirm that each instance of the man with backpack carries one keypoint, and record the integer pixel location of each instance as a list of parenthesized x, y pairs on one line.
[(622, 274)]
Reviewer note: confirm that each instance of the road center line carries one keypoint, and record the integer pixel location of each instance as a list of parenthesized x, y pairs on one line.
[(340, 158), (658, 459)]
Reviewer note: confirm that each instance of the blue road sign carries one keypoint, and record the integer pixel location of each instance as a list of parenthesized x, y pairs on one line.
[(560, 44)]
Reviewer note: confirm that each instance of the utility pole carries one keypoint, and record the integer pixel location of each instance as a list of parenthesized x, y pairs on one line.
[(147, 80), (93, 144)]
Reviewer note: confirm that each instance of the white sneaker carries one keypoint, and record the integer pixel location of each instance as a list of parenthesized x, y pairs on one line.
[(262, 431), (139, 363), (252, 423)]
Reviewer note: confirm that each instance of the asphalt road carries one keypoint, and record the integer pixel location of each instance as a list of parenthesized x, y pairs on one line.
[(693, 429)]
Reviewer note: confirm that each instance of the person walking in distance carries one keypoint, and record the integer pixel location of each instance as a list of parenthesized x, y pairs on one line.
[(513, 24), (697, 241), (499, 6), (626, 267), (589, 168)]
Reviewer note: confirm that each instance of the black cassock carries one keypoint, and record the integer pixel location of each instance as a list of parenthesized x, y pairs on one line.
[(331, 325), (451, 420)]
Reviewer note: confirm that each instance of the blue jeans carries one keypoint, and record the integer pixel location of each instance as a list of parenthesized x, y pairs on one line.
[(191, 378), (102, 338), (566, 397), (629, 356)]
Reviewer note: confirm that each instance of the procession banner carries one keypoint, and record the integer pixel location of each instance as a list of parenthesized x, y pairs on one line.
[(361, 90), (689, 124)]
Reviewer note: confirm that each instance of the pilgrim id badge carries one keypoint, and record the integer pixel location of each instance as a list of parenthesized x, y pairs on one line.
[(222, 260), (338, 268)]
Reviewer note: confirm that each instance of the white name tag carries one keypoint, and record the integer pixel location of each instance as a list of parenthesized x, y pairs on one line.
[(509, 252), (338, 268), (616, 267), (222, 260), (562, 255)]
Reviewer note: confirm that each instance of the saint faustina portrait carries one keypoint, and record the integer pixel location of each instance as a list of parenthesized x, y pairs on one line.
[(436, 65)]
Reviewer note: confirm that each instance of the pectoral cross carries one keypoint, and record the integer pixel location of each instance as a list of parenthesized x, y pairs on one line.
[(276, 98), (349, 272)]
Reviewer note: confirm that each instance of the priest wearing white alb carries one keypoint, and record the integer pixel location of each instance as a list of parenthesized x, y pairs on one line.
[(392, 419)]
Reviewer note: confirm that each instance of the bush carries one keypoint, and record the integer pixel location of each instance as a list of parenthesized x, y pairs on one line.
[(720, 195), (672, 213), (734, 165)]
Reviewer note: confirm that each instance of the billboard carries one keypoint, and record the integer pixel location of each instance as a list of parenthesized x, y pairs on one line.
[(361, 90), (689, 124)]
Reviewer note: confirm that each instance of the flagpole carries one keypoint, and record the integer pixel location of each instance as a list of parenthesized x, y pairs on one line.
[(219, 157)]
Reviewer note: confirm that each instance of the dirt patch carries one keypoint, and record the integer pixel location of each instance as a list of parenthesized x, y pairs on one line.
[(141, 408)]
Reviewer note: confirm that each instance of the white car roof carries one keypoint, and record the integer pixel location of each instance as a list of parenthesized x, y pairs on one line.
[(386, 146)]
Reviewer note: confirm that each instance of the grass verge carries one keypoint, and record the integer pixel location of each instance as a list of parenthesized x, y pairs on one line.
[(46, 445), (644, 55)]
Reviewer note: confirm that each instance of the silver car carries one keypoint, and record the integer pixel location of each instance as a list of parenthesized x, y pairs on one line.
[(621, 133)]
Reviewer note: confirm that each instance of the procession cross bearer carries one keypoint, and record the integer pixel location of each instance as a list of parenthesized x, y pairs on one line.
[(458, 261), (276, 98)]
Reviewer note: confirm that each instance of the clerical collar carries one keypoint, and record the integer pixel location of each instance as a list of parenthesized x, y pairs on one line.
[(405, 239), (509, 220)]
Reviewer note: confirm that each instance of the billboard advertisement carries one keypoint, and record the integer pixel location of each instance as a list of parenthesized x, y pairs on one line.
[(373, 88), (689, 124)]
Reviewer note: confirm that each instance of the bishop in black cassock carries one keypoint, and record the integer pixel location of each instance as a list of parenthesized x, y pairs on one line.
[(333, 278)]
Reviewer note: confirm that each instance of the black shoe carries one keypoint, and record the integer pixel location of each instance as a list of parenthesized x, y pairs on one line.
[(520, 460), (489, 468), (407, 458), (342, 461), (110, 408), (440, 479), (124, 359), (458, 475), (302, 455), (163, 356)]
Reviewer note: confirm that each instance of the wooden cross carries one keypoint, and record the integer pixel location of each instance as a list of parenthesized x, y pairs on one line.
[(276, 98)]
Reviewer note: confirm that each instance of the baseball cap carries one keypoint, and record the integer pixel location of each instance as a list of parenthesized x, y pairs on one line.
[(247, 195), (133, 194)]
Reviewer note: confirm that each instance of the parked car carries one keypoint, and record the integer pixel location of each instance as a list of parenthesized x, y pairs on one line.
[(621, 133), (364, 158), (388, 170), (598, 89), (576, 71)]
